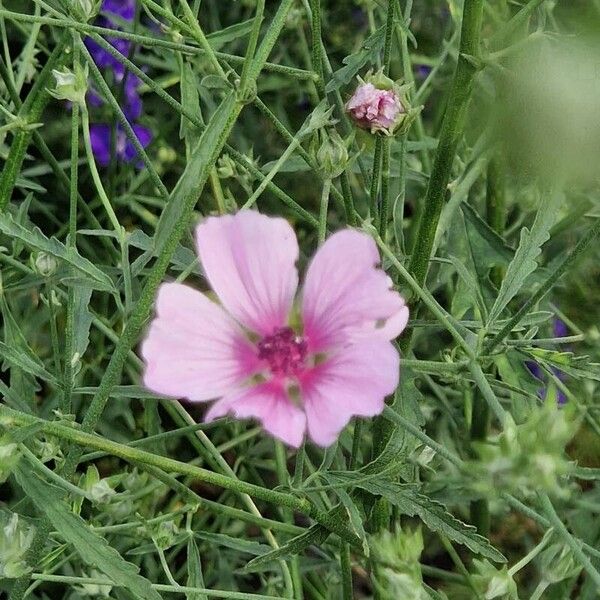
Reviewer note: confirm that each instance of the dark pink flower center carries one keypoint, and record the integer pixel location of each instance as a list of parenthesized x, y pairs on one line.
[(284, 351)]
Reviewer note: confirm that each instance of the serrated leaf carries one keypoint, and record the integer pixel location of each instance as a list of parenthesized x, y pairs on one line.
[(92, 548), (35, 239), (488, 247), (314, 535), (368, 53), (524, 262), (29, 363), (410, 501)]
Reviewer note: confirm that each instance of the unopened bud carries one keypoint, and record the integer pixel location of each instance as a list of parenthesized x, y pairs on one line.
[(332, 155), (380, 105), (71, 86)]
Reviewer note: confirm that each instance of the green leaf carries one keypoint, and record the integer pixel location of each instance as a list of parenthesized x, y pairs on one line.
[(434, 514), (92, 548), (219, 38), (35, 239), (82, 319), (368, 53), (29, 363), (525, 260), (191, 102), (194, 569), (313, 536)]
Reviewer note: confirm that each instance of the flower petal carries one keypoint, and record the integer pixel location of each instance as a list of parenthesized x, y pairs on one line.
[(249, 259), (354, 381), (269, 403), (345, 295), (100, 140), (194, 349)]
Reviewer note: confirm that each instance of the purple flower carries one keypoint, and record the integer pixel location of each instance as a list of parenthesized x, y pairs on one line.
[(105, 60), (131, 102), (125, 9), (422, 71), (100, 135), (559, 329)]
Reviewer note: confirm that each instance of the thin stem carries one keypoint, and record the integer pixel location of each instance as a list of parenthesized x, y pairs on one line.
[(112, 217), (169, 465), (199, 36), (317, 45), (30, 113), (375, 178), (450, 135), (323, 209), (384, 216)]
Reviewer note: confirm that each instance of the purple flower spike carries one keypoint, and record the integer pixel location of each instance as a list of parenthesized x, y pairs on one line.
[(125, 151)]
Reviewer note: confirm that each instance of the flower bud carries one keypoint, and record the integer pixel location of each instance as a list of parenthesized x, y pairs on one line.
[(380, 105), (332, 155), (15, 539), (70, 86), (9, 456), (84, 9), (45, 264)]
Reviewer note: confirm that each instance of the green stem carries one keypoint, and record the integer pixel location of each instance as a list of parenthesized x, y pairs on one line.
[(78, 436), (450, 135), (317, 45), (384, 215), (323, 209), (346, 570), (112, 217), (496, 217), (30, 113), (171, 589), (373, 193), (151, 42)]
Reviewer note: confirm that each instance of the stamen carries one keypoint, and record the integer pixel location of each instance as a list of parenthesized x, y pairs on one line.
[(284, 351)]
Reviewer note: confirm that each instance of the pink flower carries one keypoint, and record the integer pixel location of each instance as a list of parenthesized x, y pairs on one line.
[(248, 354), (375, 109)]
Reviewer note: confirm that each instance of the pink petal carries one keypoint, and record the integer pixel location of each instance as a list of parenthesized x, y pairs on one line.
[(269, 403), (345, 295), (249, 260), (194, 349), (355, 381)]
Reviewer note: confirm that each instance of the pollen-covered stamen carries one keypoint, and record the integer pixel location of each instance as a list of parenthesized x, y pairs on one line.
[(284, 351)]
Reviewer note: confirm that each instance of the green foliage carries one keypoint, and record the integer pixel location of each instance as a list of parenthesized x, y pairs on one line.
[(111, 491)]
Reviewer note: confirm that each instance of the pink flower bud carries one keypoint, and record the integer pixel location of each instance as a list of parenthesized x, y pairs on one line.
[(375, 109)]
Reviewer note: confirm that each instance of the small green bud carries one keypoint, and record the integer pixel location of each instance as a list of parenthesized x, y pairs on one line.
[(84, 10), (70, 85), (45, 264), (494, 583), (95, 590), (15, 540), (332, 155), (9, 456), (226, 167), (166, 534)]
